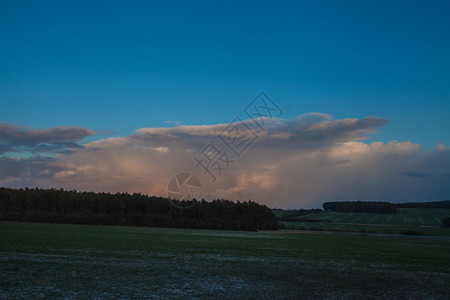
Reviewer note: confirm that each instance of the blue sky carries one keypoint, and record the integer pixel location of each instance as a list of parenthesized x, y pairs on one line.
[(78, 79), (119, 66)]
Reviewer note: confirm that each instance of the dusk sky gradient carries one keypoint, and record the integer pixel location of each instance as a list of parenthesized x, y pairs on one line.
[(111, 96)]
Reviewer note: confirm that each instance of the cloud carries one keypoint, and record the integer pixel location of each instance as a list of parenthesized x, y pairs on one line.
[(414, 174), (32, 171), (173, 122), (14, 138), (62, 174), (294, 163)]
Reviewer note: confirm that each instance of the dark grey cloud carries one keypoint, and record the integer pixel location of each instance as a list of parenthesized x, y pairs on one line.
[(414, 174), (319, 132), (17, 138), (36, 168), (306, 131)]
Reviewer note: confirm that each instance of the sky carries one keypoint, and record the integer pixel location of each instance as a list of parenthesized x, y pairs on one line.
[(120, 96)]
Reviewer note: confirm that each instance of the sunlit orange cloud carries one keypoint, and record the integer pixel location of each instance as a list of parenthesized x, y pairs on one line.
[(293, 164)]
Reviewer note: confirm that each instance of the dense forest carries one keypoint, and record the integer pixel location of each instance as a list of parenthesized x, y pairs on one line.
[(361, 206), (60, 206)]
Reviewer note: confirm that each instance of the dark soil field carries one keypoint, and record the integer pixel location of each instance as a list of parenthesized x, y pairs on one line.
[(85, 262)]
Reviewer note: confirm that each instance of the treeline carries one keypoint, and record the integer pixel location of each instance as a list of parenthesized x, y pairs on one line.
[(433, 204), (361, 206), (60, 206)]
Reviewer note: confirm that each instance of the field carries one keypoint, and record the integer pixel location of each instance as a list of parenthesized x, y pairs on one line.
[(422, 220), (404, 217), (76, 261)]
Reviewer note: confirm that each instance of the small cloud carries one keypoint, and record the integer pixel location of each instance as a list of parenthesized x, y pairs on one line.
[(173, 122), (161, 149), (62, 174), (442, 147), (340, 162), (414, 174)]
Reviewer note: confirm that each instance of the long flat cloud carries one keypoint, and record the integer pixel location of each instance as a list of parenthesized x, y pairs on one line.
[(14, 138), (300, 162)]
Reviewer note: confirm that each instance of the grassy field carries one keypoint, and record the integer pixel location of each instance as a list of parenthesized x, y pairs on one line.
[(404, 217), (421, 220), (75, 261)]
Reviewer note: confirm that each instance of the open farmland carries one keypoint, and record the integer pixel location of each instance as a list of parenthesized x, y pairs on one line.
[(426, 221), (404, 217), (78, 261)]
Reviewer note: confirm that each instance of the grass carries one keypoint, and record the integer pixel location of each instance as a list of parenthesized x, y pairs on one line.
[(371, 228), (75, 261), (404, 217), (420, 220)]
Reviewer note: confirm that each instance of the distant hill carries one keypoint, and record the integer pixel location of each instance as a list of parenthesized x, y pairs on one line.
[(434, 204), (378, 207)]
